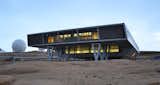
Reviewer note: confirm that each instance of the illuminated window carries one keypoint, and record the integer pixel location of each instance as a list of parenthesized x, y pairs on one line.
[(89, 33), (80, 34), (66, 50), (50, 39), (82, 49), (78, 50), (85, 50), (114, 48), (75, 35), (67, 35), (85, 35), (61, 36), (71, 50), (95, 35), (96, 50)]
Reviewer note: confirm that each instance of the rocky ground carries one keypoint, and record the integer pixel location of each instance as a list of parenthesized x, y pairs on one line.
[(112, 72)]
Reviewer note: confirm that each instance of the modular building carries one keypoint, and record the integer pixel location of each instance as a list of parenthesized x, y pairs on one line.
[(90, 43)]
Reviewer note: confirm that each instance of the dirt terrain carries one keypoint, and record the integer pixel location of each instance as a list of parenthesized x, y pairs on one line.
[(111, 72)]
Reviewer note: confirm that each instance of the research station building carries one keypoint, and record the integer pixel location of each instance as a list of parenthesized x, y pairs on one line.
[(102, 42)]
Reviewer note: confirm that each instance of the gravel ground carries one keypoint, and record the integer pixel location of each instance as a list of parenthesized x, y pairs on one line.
[(111, 72)]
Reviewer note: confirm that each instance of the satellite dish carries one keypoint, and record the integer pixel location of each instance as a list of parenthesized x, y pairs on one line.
[(18, 46)]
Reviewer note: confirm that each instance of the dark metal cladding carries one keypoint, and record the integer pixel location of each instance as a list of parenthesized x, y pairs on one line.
[(35, 39), (112, 32)]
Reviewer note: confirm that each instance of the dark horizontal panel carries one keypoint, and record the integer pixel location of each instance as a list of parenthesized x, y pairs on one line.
[(111, 32), (35, 39)]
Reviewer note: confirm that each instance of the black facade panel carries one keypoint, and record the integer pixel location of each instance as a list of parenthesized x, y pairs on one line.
[(35, 39), (111, 32)]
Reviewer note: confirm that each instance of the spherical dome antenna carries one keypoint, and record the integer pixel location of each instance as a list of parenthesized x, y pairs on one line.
[(18, 46)]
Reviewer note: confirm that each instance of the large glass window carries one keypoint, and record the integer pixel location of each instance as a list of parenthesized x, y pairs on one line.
[(88, 35), (61, 36), (96, 50), (72, 51), (95, 35), (73, 37), (87, 49), (85, 35), (114, 48), (67, 50), (65, 36), (77, 49), (84, 50), (50, 39)]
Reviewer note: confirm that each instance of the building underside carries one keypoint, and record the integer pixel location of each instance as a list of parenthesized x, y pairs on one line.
[(89, 43)]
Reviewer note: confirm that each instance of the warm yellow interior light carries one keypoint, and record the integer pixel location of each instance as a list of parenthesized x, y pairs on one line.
[(50, 39)]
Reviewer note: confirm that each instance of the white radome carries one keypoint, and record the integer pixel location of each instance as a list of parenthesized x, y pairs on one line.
[(18, 46)]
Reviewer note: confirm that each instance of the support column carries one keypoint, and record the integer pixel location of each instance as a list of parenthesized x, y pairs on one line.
[(58, 50), (63, 56), (49, 52), (103, 55), (60, 53), (96, 54)]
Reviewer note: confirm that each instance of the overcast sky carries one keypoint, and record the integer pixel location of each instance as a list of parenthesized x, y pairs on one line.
[(21, 17)]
